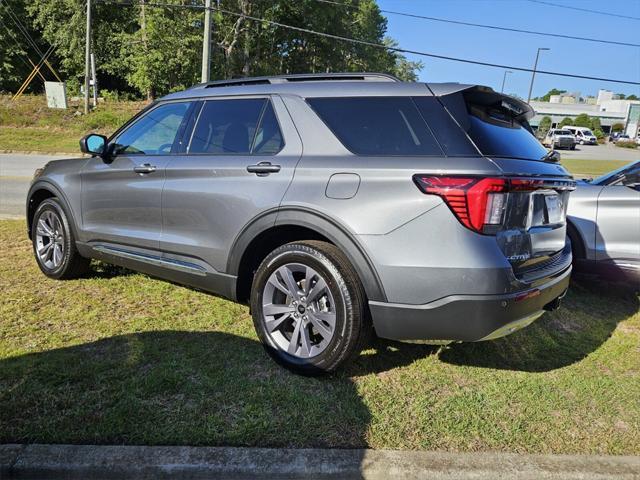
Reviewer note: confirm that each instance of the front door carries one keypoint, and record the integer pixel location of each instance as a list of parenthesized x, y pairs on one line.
[(618, 219), (239, 163), (121, 198)]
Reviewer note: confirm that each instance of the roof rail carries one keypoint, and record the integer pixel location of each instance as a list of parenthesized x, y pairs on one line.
[(301, 77)]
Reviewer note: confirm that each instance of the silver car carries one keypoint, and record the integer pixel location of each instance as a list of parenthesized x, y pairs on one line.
[(335, 205), (559, 138), (604, 225)]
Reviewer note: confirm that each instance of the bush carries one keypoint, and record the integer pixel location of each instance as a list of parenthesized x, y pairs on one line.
[(627, 144)]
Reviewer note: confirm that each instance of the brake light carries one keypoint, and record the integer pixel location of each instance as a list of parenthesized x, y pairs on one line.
[(476, 202)]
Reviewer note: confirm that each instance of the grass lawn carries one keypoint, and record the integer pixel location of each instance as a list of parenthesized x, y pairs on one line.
[(591, 168), (122, 358), (28, 125)]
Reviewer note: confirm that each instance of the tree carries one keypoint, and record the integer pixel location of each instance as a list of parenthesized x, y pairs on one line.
[(544, 126), (547, 96), (617, 127), (566, 121), (17, 55), (582, 120), (632, 97), (156, 49)]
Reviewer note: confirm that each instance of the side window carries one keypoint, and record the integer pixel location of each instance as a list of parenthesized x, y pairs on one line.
[(227, 126), (268, 140), (631, 177), (155, 133)]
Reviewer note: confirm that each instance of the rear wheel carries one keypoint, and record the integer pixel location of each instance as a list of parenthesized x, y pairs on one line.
[(53, 243), (308, 307)]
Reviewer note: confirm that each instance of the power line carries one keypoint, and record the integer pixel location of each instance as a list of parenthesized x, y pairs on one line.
[(491, 27), (599, 12), (377, 45)]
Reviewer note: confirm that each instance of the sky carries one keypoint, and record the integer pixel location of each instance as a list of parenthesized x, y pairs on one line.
[(518, 49)]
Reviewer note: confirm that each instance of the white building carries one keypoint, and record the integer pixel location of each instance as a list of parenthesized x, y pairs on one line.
[(606, 107)]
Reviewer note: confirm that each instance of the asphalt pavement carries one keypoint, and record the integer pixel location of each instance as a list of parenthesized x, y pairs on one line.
[(16, 172), (601, 152)]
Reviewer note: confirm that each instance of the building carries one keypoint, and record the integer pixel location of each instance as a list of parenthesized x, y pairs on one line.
[(609, 109)]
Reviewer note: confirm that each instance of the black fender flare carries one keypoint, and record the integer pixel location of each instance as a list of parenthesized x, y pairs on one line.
[(321, 224), (56, 192)]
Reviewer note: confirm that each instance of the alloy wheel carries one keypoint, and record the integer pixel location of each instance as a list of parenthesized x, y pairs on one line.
[(298, 310), (50, 243)]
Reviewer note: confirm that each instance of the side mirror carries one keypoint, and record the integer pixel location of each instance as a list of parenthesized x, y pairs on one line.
[(94, 144)]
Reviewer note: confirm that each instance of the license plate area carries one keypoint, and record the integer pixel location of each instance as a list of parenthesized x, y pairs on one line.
[(547, 208)]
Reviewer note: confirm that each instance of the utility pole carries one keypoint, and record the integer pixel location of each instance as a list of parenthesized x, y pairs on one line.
[(87, 59), (533, 75), (206, 43), (94, 77), (504, 78)]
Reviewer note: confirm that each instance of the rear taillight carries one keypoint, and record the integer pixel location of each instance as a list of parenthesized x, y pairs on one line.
[(475, 201), (480, 202)]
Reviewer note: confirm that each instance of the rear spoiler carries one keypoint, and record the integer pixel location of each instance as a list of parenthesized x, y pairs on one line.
[(486, 96)]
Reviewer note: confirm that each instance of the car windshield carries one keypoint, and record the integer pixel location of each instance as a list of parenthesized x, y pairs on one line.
[(563, 132), (587, 132)]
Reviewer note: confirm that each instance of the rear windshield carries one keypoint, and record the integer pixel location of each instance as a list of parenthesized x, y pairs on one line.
[(563, 132), (492, 127)]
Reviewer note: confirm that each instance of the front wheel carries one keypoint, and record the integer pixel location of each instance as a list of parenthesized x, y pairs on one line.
[(53, 243), (308, 307)]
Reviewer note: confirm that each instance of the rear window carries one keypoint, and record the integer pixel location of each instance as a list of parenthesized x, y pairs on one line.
[(492, 127), (377, 125), (497, 135)]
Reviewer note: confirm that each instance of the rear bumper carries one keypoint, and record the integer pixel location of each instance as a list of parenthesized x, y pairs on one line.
[(468, 318)]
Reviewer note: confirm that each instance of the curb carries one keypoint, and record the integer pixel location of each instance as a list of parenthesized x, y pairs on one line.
[(140, 462)]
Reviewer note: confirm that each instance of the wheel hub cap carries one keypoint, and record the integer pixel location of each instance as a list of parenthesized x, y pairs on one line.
[(50, 240), (298, 310)]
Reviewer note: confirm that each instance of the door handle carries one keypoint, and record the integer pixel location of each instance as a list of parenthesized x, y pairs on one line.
[(144, 168), (263, 169)]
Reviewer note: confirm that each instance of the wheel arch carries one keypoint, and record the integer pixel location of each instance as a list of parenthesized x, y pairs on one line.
[(41, 191), (277, 228), (578, 245)]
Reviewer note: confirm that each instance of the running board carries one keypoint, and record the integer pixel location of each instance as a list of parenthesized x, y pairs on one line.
[(178, 265)]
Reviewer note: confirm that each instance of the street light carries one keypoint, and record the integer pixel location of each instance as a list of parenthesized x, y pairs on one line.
[(504, 78), (533, 75)]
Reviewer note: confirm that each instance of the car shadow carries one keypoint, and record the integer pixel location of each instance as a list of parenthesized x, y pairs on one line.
[(558, 339), (181, 387)]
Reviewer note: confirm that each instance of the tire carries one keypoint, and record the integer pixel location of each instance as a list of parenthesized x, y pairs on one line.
[(333, 292), (51, 235)]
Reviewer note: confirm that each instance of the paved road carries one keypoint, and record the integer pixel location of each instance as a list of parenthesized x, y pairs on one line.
[(601, 152), (16, 172)]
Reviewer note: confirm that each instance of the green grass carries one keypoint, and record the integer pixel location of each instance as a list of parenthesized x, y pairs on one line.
[(28, 125), (121, 358), (591, 168)]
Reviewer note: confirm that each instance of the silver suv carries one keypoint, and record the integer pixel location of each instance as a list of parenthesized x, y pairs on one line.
[(336, 206)]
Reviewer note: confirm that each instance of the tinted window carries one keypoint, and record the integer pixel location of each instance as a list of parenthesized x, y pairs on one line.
[(377, 125), (450, 136), (155, 132), (227, 126), (268, 139), (498, 135)]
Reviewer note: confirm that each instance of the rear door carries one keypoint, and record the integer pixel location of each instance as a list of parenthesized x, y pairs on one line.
[(121, 198), (239, 162)]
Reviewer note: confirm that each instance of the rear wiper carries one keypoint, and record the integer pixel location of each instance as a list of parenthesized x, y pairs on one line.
[(551, 156)]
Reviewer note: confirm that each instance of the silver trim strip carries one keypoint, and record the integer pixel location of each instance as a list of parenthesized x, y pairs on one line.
[(153, 260)]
